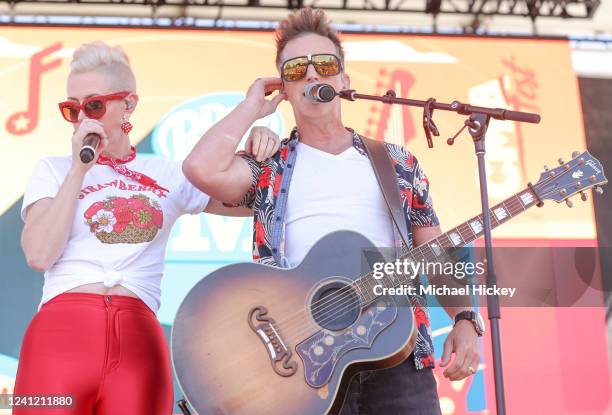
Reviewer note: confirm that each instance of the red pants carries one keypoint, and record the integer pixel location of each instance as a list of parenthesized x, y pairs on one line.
[(109, 353)]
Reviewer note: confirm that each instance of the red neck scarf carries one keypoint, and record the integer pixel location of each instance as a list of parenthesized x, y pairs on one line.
[(118, 166)]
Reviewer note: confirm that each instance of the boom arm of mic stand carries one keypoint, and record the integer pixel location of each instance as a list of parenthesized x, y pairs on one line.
[(347, 94), (455, 106)]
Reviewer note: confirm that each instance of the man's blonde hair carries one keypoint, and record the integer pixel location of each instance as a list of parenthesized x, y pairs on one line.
[(303, 22), (100, 57)]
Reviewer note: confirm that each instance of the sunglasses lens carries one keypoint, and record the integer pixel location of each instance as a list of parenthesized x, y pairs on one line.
[(94, 109), (326, 65), (295, 69), (70, 113)]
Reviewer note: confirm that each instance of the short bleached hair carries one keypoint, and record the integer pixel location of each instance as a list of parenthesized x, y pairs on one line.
[(302, 22), (99, 57)]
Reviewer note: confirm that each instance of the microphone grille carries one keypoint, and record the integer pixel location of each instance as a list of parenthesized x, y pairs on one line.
[(327, 93)]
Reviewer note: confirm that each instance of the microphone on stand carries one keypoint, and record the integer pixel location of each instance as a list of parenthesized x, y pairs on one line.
[(88, 151), (319, 92)]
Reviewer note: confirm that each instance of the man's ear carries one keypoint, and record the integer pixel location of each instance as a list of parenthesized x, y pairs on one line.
[(346, 81), (282, 90)]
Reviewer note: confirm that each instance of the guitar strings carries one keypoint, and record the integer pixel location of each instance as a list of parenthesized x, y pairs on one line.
[(339, 305), (336, 305), (513, 201)]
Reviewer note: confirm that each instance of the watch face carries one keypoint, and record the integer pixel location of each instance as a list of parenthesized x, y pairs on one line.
[(480, 323)]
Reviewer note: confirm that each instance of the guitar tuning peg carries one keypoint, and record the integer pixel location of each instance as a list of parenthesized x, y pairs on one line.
[(599, 190), (575, 154), (561, 161), (583, 196), (569, 203), (546, 168)]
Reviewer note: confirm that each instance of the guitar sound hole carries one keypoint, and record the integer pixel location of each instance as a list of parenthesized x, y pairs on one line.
[(335, 306)]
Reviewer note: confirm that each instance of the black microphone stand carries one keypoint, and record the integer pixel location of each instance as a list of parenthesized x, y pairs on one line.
[(477, 125)]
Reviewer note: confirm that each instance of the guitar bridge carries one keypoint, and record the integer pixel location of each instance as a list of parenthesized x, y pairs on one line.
[(278, 352)]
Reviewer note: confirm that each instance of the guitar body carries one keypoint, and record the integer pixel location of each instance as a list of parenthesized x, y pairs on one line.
[(251, 339)]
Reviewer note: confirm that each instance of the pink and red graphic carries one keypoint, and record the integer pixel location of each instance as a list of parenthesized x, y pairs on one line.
[(135, 219)]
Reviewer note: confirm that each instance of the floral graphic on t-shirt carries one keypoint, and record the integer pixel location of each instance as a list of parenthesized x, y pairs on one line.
[(105, 220), (125, 220)]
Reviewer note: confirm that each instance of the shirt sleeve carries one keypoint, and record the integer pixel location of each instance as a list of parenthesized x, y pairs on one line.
[(422, 212), (248, 200), (192, 199), (44, 183)]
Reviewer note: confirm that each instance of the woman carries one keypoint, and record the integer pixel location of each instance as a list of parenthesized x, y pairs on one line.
[(99, 231)]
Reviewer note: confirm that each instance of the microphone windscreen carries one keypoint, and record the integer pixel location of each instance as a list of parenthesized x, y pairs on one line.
[(327, 93)]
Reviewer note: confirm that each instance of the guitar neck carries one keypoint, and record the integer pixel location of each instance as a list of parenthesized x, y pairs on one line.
[(457, 237)]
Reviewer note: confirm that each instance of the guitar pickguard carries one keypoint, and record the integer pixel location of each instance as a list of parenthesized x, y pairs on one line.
[(321, 352)]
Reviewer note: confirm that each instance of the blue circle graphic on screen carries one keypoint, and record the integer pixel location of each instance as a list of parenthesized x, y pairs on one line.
[(181, 128)]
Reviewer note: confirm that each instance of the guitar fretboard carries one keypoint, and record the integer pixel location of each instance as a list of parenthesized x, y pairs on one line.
[(438, 248)]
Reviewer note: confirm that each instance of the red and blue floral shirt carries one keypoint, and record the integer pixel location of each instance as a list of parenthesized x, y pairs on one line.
[(268, 199)]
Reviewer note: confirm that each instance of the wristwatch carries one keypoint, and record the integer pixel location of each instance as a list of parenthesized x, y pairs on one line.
[(475, 318)]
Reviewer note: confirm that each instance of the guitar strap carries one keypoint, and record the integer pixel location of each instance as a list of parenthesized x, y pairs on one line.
[(387, 180)]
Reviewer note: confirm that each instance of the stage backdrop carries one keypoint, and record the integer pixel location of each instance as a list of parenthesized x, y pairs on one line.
[(187, 80)]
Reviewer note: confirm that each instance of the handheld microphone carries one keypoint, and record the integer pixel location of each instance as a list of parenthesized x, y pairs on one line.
[(319, 92), (88, 151)]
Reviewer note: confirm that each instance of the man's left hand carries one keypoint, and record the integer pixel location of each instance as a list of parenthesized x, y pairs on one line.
[(262, 143), (463, 342)]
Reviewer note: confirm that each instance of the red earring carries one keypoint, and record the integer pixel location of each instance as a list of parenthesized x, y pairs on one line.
[(126, 126)]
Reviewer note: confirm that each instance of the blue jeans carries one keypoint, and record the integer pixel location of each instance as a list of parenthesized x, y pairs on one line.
[(400, 390)]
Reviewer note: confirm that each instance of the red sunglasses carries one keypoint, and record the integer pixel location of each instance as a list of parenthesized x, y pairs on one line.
[(93, 107)]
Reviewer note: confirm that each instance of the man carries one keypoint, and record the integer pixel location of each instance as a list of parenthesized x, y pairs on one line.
[(293, 208)]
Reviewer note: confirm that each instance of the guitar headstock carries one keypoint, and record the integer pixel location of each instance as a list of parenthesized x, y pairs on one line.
[(581, 173)]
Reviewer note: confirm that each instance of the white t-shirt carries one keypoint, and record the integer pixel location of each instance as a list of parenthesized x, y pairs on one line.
[(351, 199), (121, 228)]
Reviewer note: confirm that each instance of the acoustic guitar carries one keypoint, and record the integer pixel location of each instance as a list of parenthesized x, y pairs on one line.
[(251, 339)]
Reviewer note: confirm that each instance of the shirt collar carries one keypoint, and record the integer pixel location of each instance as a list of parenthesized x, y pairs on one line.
[(294, 138)]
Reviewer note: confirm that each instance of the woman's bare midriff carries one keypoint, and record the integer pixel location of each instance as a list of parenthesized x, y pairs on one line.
[(100, 288)]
